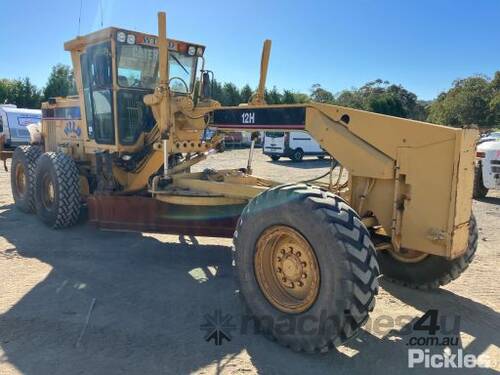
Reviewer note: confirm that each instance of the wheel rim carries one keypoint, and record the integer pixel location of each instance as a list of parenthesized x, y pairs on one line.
[(408, 256), (286, 269), (21, 182), (48, 192)]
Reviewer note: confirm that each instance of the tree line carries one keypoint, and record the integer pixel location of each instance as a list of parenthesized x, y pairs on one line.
[(24, 94), (471, 100)]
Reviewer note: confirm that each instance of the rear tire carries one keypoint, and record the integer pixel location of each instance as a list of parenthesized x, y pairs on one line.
[(57, 190), (347, 266), (479, 190), (275, 157), (432, 271), (22, 177), (297, 155)]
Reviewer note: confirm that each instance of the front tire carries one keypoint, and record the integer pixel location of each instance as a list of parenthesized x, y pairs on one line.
[(22, 177), (432, 271), (275, 157), (57, 190), (316, 242)]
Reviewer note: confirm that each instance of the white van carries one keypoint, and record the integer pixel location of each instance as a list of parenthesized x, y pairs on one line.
[(487, 169), (13, 123), (294, 145)]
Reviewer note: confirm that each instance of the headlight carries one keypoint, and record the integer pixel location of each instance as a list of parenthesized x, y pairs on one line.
[(199, 51), (191, 50), (130, 39), (121, 37)]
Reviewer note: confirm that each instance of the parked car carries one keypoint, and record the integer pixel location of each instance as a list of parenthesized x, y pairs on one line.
[(487, 169), (294, 145), (494, 136), (14, 122)]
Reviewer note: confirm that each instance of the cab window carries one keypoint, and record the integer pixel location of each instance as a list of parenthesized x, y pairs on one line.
[(97, 91)]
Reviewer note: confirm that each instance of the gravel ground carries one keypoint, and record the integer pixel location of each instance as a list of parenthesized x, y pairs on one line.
[(152, 292)]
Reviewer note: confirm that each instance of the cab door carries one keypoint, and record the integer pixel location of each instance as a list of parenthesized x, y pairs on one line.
[(97, 80)]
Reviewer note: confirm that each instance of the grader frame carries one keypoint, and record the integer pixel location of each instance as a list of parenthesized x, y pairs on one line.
[(408, 195), (411, 181)]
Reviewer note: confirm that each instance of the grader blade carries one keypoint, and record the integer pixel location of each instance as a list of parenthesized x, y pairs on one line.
[(143, 214)]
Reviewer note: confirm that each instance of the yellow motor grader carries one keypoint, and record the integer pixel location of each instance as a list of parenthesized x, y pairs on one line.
[(312, 251)]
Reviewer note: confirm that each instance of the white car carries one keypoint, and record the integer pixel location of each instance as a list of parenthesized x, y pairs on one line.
[(495, 136), (14, 122), (487, 172), (294, 145)]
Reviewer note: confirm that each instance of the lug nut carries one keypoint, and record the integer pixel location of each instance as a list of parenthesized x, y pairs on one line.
[(298, 253), (300, 283), (304, 275)]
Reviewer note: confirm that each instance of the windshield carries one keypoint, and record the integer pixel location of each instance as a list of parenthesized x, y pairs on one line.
[(181, 70), (137, 67), (275, 134)]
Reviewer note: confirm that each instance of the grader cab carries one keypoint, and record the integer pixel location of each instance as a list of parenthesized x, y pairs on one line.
[(126, 144)]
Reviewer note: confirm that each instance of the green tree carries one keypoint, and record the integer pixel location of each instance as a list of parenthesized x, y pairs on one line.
[(300, 97), (383, 97), (273, 96), (60, 83), (495, 101), (216, 91), (20, 92), (495, 110), (386, 104), (246, 93), (471, 100), (350, 98), (320, 95), (230, 94), (288, 97)]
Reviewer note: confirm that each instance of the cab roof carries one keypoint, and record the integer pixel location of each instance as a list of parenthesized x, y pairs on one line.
[(109, 33), (13, 109)]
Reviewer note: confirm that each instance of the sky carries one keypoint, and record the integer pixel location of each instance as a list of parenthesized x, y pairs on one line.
[(424, 45)]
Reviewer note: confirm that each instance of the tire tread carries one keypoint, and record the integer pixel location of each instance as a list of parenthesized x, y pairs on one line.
[(359, 251)]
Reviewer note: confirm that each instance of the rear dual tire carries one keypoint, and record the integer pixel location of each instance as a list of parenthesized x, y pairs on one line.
[(22, 177), (57, 190)]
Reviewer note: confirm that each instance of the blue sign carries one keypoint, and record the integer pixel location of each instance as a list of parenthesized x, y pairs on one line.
[(27, 119)]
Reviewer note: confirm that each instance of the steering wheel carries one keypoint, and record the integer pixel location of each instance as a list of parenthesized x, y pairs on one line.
[(136, 83), (180, 79)]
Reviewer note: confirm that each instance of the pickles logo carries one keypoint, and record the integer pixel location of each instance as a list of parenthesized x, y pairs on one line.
[(72, 128)]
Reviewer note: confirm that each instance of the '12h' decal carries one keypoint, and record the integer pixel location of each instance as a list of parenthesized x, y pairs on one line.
[(248, 118)]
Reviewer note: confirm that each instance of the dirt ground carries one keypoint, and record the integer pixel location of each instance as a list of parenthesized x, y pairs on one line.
[(152, 293)]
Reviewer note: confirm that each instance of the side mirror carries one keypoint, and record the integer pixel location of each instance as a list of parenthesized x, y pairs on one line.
[(206, 85)]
